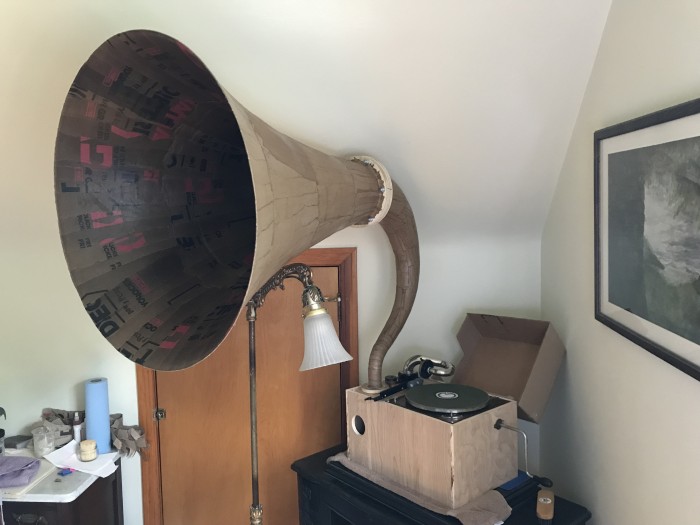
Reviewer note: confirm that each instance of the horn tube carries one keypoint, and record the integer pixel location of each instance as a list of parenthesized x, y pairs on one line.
[(400, 227), (175, 203), (397, 221)]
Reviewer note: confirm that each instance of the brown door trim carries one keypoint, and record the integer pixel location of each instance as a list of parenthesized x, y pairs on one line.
[(346, 261), (147, 396)]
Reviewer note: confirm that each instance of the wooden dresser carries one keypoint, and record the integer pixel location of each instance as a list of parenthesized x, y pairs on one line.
[(75, 499), (330, 494)]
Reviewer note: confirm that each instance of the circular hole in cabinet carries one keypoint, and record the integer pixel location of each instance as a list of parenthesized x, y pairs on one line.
[(358, 425)]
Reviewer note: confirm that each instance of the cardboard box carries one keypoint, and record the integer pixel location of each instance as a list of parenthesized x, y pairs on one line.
[(511, 357), (450, 463)]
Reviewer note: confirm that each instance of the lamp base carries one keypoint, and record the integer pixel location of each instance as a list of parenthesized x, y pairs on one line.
[(256, 514)]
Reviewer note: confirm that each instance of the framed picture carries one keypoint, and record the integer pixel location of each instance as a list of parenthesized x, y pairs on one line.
[(647, 232)]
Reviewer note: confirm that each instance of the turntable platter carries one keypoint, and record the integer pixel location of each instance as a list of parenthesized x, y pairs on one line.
[(447, 398)]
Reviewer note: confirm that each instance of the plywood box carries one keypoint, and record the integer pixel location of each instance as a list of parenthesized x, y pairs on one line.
[(450, 463), (510, 356)]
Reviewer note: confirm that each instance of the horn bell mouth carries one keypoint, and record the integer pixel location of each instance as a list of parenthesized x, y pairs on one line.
[(155, 200)]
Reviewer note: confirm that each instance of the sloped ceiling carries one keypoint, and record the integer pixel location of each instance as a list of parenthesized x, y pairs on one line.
[(470, 104)]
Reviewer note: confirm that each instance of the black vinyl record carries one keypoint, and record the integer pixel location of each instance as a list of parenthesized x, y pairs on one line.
[(447, 398)]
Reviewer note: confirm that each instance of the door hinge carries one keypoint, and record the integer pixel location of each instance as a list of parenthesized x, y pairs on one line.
[(158, 414)]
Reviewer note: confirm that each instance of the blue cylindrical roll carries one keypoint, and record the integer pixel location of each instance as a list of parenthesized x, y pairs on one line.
[(97, 414)]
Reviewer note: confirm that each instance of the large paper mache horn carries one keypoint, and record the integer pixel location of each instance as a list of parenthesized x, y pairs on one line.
[(176, 204)]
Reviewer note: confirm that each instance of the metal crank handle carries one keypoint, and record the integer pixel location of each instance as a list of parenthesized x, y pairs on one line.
[(545, 482)]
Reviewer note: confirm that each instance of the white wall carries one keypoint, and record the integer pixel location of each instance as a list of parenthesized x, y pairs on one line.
[(48, 346), (622, 432), (457, 276)]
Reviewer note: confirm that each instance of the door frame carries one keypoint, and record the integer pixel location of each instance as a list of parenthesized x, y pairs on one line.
[(345, 259)]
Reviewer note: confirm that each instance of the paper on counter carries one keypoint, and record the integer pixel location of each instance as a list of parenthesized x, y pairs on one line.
[(66, 457)]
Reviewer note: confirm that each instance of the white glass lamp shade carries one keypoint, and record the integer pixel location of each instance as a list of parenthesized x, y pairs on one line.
[(321, 344)]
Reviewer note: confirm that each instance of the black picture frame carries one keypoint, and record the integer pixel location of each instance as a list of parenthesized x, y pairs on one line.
[(647, 232)]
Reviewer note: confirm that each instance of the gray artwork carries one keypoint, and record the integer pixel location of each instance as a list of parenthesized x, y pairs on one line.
[(654, 234)]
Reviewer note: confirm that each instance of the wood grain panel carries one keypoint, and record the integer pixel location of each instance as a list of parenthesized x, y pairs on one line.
[(147, 399), (449, 463)]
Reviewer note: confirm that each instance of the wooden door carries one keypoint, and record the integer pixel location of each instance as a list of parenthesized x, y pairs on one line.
[(204, 442)]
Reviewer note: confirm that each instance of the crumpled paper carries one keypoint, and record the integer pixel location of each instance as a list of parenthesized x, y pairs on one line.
[(61, 423), (128, 440)]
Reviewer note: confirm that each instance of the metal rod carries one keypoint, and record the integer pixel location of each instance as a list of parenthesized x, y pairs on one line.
[(302, 273), (545, 482), (255, 507), (500, 424)]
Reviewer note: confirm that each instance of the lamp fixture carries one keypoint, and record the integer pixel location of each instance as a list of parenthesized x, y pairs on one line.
[(321, 344), (321, 348)]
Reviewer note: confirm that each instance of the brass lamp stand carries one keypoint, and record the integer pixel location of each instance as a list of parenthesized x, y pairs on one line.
[(321, 348)]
